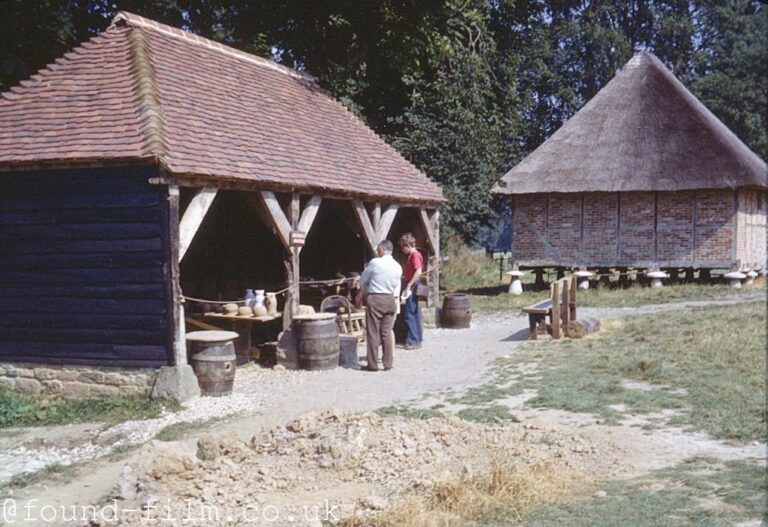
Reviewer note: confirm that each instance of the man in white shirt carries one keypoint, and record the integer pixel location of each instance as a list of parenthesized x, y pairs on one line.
[(380, 284)]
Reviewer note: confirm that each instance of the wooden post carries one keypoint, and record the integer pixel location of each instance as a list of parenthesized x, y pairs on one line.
[(556, 314), (566, 307), (376, 217), (431, 224), (364, 221), (385, 222), (295, 216), (177, 339), (193, 217), (375, 229), (574, 289)]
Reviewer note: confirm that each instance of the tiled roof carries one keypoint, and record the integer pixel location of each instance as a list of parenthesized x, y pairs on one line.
[(145, 91)]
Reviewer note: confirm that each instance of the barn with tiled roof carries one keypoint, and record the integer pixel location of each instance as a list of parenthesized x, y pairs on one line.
[(149, 162)]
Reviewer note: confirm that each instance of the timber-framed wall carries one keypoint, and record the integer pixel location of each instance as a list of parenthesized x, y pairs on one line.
[(712, 229), (90, 270)]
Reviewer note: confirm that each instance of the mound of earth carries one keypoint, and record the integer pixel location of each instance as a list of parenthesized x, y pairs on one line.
[(324, 466)]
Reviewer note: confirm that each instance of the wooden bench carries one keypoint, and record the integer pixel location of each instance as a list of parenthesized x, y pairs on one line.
[(559, 308)]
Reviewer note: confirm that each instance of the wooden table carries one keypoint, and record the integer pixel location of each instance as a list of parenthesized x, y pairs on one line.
[(242, 326)]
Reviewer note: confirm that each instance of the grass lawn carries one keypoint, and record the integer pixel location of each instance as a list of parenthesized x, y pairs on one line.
[(699, 492), (708, 363), (27, 410), (496, 299)]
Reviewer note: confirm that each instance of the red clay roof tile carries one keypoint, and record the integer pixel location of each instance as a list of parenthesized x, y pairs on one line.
[(148, 91)]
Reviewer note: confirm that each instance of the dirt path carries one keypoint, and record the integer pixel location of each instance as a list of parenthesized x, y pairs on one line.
[(455, 359)]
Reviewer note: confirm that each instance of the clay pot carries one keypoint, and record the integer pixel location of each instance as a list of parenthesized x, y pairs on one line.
[(245, 311), (230, 308), (259, 311), (205, 308), (271, 303), (218, 308)]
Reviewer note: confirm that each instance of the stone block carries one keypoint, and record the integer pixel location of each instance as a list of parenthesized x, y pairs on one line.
[(92, 377), (45, 374), (22, 372), (76, 389), (130, 390), (177, 383), (116, 379), (7, 382), (67, 375), (29, 386), (52, 386), (104, 390)]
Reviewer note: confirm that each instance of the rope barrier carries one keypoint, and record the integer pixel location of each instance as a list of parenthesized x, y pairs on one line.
[(335, 281)]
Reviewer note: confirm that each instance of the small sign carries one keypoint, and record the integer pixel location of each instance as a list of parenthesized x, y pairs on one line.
[(298, 238)]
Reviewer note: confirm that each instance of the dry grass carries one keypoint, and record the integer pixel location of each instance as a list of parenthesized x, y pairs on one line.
[(466, 269), (505, 494)]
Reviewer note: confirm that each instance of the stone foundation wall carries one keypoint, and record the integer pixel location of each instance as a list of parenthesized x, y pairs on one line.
[(76, 381)]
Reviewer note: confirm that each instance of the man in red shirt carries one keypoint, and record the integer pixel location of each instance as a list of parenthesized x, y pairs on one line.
[(413, 270)]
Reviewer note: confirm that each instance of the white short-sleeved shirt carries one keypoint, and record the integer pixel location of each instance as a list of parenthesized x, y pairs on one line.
[(381, 275)]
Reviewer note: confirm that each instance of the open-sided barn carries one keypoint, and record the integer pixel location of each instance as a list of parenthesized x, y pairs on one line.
[(150, 162), (642, 176)]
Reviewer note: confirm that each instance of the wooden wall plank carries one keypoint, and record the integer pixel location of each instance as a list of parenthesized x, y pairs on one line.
[(81, 271)]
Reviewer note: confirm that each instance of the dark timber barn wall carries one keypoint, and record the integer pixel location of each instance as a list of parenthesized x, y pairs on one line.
[(702, 229), (82, 267)]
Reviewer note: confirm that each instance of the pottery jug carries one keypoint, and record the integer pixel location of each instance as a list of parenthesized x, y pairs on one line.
[(250, 298), (258, 298), (271, 303)]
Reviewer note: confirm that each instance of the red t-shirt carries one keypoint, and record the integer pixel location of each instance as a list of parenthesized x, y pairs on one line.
[(415, 261)]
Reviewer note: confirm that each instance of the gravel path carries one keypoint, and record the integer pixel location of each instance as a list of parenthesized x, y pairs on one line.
[(453, 359)]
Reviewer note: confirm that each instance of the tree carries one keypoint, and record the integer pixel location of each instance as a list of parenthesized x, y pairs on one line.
[(460, 124), (730, 67)]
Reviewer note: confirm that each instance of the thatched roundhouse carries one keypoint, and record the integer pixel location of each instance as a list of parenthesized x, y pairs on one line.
[(642, 176), (150, 163)]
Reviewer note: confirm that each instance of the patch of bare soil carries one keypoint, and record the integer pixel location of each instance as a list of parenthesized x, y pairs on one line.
[(328, 465)]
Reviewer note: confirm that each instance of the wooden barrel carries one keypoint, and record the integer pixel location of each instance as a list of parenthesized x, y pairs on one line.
[(456, 313), (317, 341), (214, 361)]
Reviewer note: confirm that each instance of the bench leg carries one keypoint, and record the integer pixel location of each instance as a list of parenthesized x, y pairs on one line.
[(533, 325)]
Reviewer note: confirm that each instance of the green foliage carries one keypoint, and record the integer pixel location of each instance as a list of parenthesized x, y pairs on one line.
[(408, 412), (465, 269), (26, 410), (464, 88), (730, 67), (485, 414)]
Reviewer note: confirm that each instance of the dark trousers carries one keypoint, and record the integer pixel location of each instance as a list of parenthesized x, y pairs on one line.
[(412, 318), (379, 317)]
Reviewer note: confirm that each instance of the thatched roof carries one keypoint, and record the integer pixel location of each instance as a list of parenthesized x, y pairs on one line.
[(145, 92), (643, 131)]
